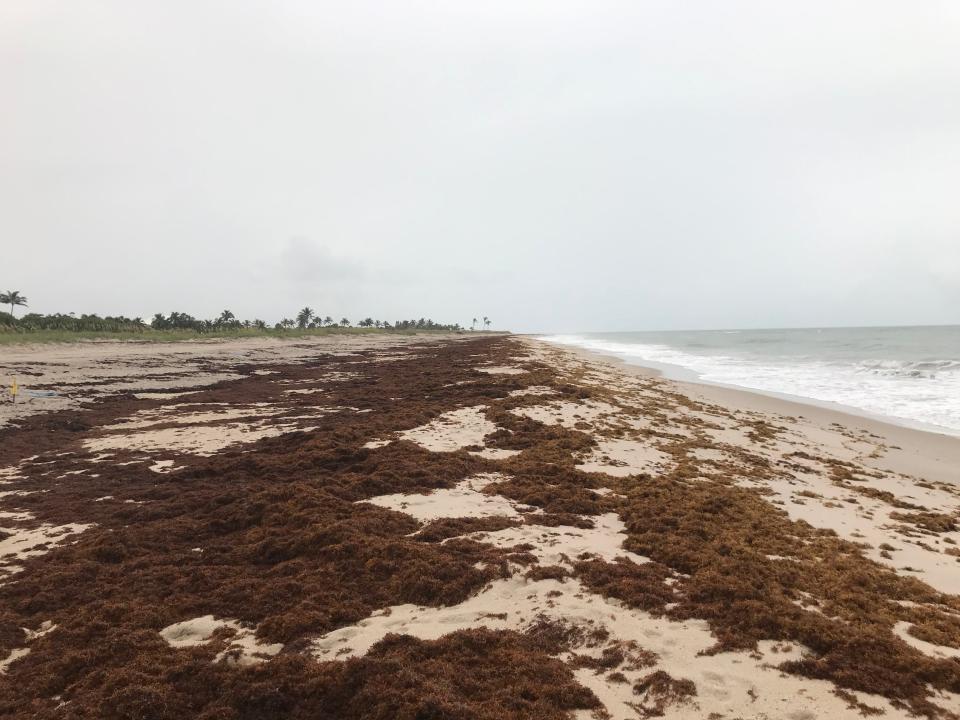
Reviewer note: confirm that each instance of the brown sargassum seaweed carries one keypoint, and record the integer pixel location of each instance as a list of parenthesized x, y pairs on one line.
[(287, 547)]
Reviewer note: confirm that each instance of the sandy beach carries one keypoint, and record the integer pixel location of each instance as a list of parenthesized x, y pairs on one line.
[(462, 526)]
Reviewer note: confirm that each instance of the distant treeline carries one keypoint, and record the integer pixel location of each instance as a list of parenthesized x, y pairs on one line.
[(306, 319), (71, 323)]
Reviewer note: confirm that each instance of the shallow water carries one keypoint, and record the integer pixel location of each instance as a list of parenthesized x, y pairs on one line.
[(907, 374)]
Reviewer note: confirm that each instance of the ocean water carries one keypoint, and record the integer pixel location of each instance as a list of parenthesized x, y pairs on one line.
[(909, 375)]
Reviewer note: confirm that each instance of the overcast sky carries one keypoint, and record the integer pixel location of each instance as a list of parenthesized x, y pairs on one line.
[(555, 165)]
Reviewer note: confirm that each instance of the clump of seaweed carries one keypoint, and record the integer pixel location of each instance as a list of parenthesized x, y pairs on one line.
[(445, 528), (658, 690), (930, 521)]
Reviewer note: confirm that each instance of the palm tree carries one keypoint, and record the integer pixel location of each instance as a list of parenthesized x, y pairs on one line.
[(474, 325), (328, 320), (486, 322), (304, 317), (344, 322), (13, 298)]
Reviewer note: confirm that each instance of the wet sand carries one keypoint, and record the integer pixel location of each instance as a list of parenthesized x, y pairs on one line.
[(483, 527)]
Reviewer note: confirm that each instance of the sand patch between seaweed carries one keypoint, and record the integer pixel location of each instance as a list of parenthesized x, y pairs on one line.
[(20, 539), (452, 430), (562, 544), (243, 647), (464, 500), (501, 370), (620, 458), (195, 432), (568, 414)]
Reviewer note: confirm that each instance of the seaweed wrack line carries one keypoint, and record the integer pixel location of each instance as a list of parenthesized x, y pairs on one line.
[(657, 552)]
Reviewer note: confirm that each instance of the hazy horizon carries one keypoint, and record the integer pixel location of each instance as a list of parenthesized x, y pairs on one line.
[(759, 329), (557, 166)]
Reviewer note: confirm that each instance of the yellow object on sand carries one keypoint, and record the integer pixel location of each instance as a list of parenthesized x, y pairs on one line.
[(13, 389)]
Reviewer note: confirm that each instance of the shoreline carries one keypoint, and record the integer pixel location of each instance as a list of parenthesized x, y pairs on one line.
[(913, 451), (680, 373)]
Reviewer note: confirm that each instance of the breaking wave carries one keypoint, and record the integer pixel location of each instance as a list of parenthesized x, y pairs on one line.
[(919, 392)]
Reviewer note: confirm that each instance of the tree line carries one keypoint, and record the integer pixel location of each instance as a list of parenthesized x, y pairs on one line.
[(305, 319)]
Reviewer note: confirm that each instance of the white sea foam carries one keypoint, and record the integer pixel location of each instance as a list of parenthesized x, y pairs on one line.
[(903, 382)]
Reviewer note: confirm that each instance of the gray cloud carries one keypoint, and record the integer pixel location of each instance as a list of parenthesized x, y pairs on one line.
[(306, 263), (555, 165)]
